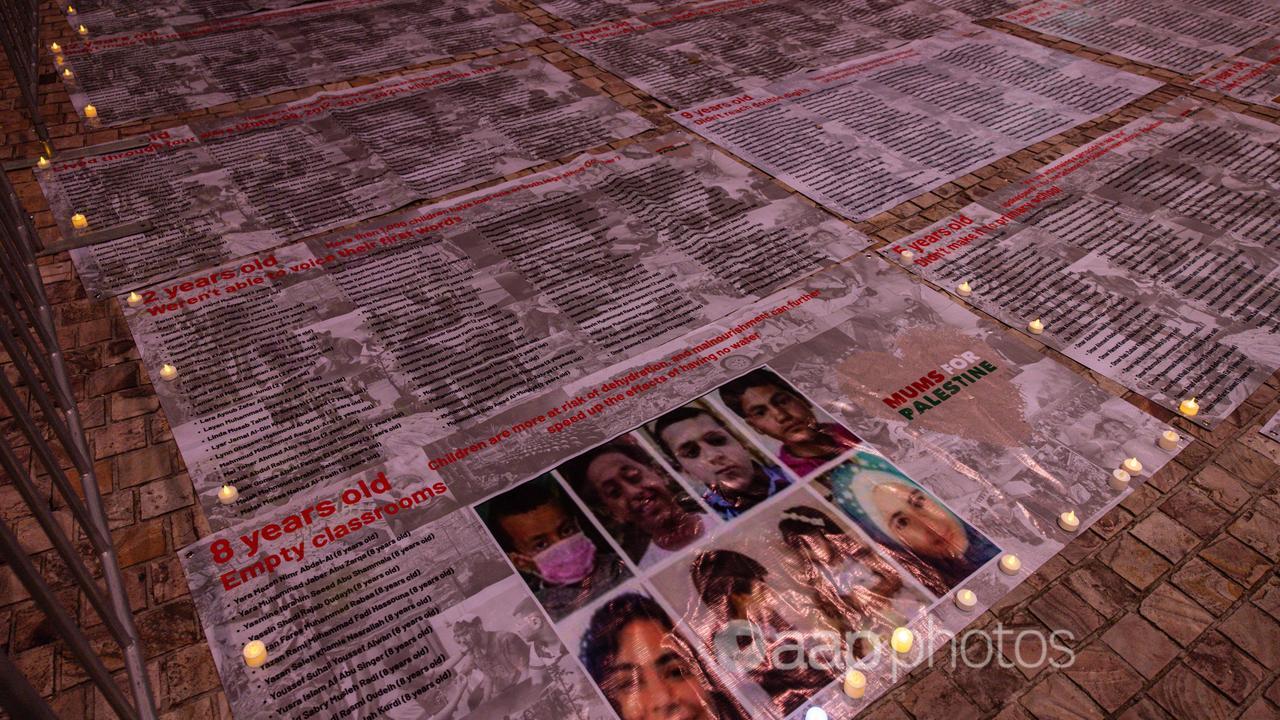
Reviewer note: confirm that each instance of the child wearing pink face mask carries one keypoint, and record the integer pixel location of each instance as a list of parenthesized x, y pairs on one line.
[(543, 534)]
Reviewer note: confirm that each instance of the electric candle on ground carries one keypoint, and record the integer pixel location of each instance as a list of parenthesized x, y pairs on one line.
[(1189, 407), (1035, 327), (79, 221), (1132, 465), (1119, 479), (907, 255), (964, 289), (855, 684), (55, 47), (227, 494), (71, 9), (58, 60), (168, 372), (82, 30), (1068, 521), (134, 299), (1169, 440), (966, 600), (90, 112), (1010, 564), (901, 640), (255, 654), (66, 73), (43, 163)]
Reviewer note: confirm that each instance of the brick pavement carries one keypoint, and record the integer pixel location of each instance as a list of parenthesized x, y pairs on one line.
[(1173, 598)]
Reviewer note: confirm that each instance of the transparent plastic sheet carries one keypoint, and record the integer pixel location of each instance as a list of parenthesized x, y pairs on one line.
[(412, 613)]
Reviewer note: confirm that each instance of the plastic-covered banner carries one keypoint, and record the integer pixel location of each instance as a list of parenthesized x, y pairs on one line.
[(726, 523), (1148, 255)]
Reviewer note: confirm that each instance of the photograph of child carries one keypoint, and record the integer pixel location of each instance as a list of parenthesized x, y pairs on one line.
[(778, 411), (910, 524), (558, 552), (648, 514), (733, 475), (645, 669)]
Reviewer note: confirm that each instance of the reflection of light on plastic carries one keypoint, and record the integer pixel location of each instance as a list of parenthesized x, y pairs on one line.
[(1119, 479), (43, 163), (815, 713), (134, 299), (90, 112), (964, 289), (966, 599), (79, 221), (227, 494), (168, 372), (1189, 407), (902, 640), (907, 255), (1010, 564), (1169, 440), (1035, 327), (255, 654), (855, 684), (1068, 521), (1132, 465)]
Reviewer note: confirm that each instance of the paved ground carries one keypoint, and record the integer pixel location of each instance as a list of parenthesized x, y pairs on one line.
[(1174, 596)]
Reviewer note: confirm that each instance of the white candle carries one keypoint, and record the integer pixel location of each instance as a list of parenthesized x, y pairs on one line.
[(1169, 440), (43, 163), (1189, 407), (1119, 479), (855, 684), (168, 372), (227, 494), (964, 289), (907, 255), (79, 221), (255, 653), (1010, 564), (1068, 521), (82, 30), (1132, 465), (90, 112), (1035, 327), (966, 599), (902, 640), (134, 299)]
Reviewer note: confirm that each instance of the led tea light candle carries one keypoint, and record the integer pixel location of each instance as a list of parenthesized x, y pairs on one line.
[(855, 684), (58, 60), (1035, 327), (43, 163), (134, 299), (1169, 440), (227, 494), (1119, 479), (168, 372), (66, 74), (1189, 407), (1010, 564), (82, 30), (79, 221), (908, 255), (90, 112), (55, 47), (1068, 521), (1132, 465), (71, 9), (964, 289), (255, 653), (816, 713), (966, 599), (902, 640)]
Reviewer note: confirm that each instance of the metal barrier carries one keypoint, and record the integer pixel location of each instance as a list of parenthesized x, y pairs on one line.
[(20, 36), (44, 415)]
